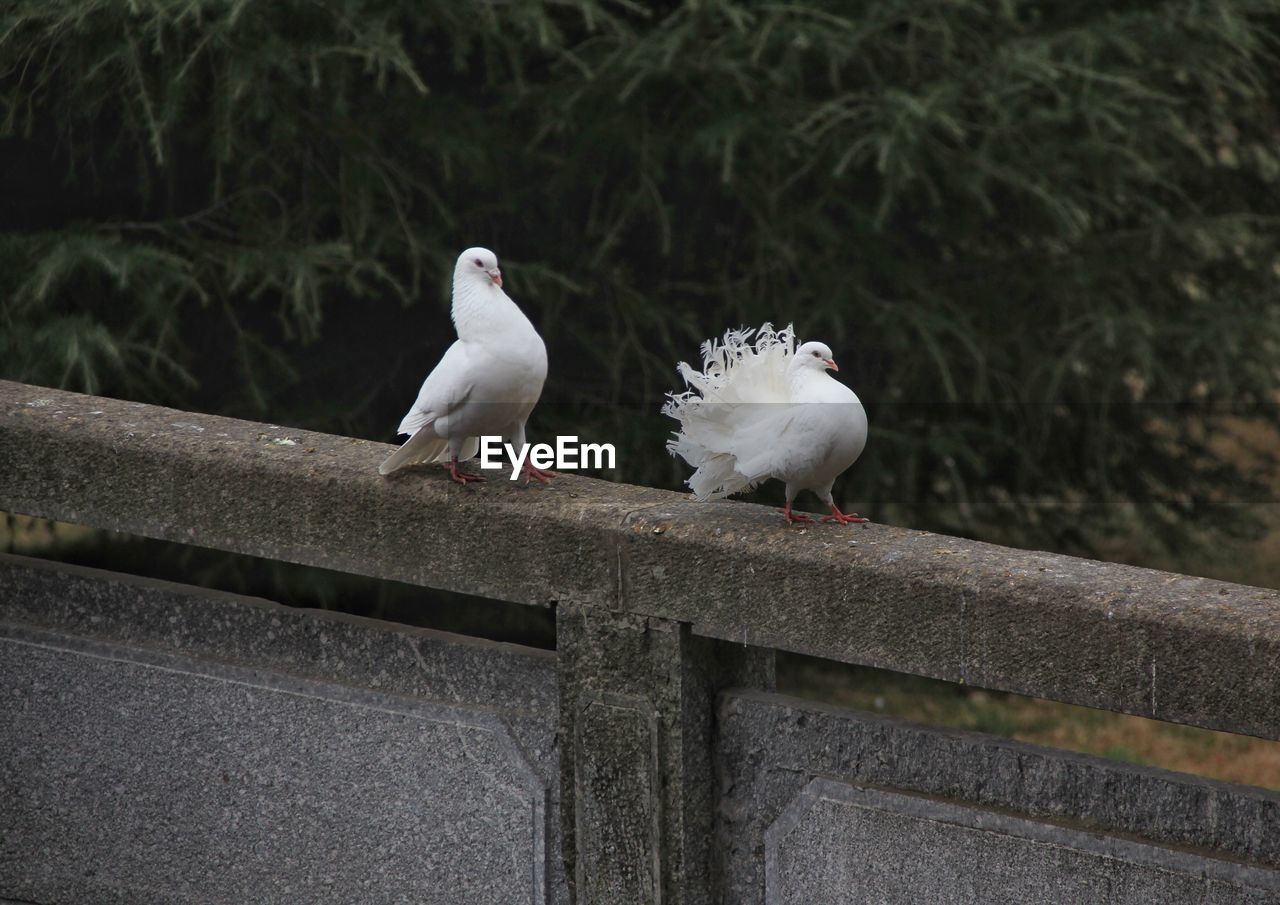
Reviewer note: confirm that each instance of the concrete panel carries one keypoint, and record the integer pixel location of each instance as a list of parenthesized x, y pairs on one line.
[(841, 844), (978, 814), (519, 684), (132, 775)]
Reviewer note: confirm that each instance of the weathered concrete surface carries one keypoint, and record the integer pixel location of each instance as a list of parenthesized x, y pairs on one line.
[(1135, 640), (841, 844), (232, 628), (637, 783), (132, 776), (989, 819), (361, 759), (618, 807)]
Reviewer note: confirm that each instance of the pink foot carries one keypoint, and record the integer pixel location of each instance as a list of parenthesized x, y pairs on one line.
[(792, 518), (536, 474), (842, 519), (462, 477)]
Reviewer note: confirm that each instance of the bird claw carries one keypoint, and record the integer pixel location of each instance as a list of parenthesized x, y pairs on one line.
[(792, 518), (841, 519), (464, 477), (536, 474)]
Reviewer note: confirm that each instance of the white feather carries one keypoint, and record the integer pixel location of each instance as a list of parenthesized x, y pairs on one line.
[(488, 381), (756, 411)]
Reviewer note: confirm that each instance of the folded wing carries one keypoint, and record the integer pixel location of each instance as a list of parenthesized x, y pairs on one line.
[(444, 392)]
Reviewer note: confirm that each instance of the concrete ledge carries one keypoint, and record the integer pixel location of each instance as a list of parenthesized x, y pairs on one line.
[(820, 847), (247, 631), (1174, 647)]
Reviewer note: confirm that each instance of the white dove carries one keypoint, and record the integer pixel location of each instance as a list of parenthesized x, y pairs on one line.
[(486, 384), (763, 410)]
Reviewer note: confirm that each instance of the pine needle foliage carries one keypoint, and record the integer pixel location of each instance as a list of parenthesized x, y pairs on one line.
[(1042, 238)]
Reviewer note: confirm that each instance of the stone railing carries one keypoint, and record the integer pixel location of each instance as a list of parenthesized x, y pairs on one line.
[(168, 743)]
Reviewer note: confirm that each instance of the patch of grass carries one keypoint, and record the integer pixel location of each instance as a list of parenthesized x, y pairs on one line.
[(1120, 752)]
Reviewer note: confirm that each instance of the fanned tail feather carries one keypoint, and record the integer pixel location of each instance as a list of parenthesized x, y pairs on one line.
[(737, 376), (424, 446)]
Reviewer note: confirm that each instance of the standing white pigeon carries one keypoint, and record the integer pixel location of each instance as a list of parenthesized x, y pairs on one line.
[(486, 384), (767, 410)]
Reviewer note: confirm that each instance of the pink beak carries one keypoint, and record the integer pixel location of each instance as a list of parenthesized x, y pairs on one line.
[(831, 363), (496, 276)]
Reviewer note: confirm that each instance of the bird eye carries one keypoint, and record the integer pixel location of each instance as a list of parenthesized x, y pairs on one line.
[(816, 355), (479, 263)]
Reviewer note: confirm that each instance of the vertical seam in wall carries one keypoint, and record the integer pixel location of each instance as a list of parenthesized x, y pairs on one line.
[(1153, 684), (620, 582)]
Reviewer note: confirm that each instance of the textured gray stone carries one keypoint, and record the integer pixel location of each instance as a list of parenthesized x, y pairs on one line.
[(304, 712), (840, 844), (617, 805), (137, 776), (417, 736), (637, 786), (805, 842), (132, 778), (1135, 640), (251, 631)]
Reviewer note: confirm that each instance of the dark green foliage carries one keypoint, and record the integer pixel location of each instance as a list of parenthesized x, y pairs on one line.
[(1042, 238)]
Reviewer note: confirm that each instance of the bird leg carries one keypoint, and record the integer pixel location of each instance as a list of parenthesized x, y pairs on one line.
[(792, 517), (536, 474), (462, 477), (840, 518)]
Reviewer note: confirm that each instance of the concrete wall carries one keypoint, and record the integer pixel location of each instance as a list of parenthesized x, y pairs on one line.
[(165, 744), (160, 743), (1074, 630), (827, 805)]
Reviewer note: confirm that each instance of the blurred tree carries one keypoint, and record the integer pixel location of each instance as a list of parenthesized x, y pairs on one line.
[(1044, 235)]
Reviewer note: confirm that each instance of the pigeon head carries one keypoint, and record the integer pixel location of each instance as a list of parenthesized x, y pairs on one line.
[(813, 356), (479, 264)]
